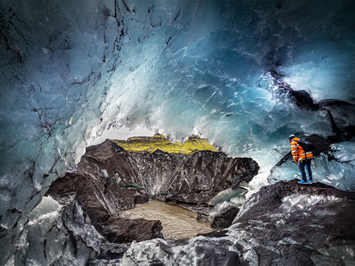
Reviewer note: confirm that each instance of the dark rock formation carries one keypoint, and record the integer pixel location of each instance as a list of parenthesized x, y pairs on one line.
[(121, 230), (186, 178), (303, 100), (99, 198), (282, 224), (300, 98), (269, 198), (339, 113), (63, 230), (224, 217), (111, 251), (341, 118), (304, 224), (221, 216), (108, 180), (102, 199)]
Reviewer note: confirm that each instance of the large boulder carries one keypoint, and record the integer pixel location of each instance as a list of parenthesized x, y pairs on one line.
[(99, 198), (222, 215), (121, 230), (284, 223), (109, 179), (64, 232), (119, 174), (193, 178)]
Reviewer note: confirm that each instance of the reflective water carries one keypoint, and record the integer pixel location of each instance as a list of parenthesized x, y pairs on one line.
[(177, 222)]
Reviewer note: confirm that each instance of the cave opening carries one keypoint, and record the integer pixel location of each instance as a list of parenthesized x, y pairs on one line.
[(243, 74), (203, 186)]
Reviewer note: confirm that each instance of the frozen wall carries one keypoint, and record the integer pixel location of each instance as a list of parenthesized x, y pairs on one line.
[(71, 68)]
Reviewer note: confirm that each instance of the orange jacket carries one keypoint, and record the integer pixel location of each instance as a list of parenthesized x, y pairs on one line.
[(298, 153)]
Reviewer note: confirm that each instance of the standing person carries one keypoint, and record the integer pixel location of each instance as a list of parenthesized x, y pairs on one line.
[(302, 158)]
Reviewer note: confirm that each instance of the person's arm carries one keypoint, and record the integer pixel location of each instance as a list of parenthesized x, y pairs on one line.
[(300, 153), (294, 151)]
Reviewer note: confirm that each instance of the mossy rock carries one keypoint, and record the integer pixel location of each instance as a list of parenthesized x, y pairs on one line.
[(150, 144)]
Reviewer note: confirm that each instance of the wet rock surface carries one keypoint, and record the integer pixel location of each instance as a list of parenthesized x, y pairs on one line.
[(302, 224), (221, 216), (121, 230), (108, 180), (224, 216), (109, 171), (65, 234), (283, 224), (189, 178)]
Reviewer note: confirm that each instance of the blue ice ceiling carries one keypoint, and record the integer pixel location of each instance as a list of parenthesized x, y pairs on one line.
[(227, 70)]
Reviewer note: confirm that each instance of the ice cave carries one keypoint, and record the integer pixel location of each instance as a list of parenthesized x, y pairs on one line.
[(242, 74)]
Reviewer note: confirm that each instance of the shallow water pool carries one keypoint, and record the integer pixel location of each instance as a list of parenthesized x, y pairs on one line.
[(177, 222)]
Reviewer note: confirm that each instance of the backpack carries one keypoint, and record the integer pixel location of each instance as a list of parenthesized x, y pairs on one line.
[(306, 145)]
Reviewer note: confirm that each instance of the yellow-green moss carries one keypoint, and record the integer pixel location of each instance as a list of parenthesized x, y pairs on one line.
[(158, 141)]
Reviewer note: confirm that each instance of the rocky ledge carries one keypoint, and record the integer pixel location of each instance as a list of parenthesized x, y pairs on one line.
[(109, 179), (283, 224)]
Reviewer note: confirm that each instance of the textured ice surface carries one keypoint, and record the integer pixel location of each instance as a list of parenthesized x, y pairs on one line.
[(69, 69), (336, 168), (47, 209), (302, 202), (59, 234), (235, 196)]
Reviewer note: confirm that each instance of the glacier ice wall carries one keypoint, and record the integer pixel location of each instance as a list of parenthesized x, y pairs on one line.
[(223, 69)]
